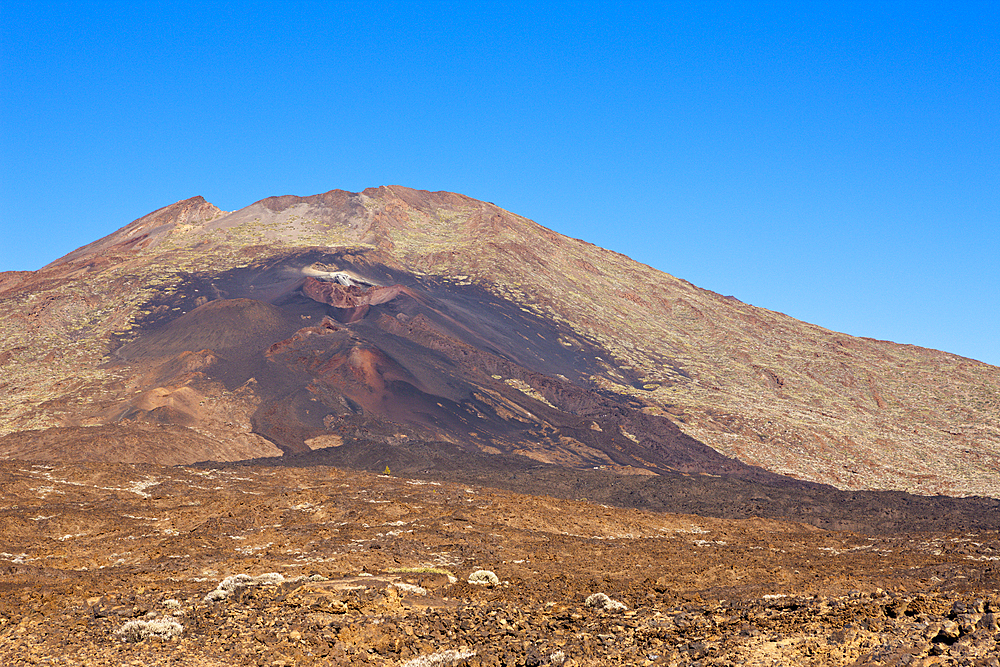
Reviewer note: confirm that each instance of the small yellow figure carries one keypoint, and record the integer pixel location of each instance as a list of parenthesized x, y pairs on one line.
[(387, 471)]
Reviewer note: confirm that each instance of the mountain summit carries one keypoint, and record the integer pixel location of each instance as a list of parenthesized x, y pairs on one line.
[(400, 320)]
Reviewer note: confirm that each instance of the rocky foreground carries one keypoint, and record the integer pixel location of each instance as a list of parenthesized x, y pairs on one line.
[(146, 565)]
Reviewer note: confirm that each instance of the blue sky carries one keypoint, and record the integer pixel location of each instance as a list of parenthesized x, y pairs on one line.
[(839, 164)]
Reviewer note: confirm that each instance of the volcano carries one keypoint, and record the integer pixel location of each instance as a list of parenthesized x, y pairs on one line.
[(394, 326)]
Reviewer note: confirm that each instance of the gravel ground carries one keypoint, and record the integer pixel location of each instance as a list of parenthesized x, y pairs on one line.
[(144, 565)]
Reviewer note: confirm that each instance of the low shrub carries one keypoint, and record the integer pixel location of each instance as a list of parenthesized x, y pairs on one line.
[(602, 601), (440, 659), (160, 628), (235, 582), (410, 588), (484, 578)]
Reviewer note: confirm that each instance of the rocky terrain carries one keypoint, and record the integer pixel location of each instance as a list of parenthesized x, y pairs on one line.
[(124, 564), (195, 334)]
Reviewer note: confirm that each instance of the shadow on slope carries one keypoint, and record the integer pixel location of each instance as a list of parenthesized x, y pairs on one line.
[(874, 512)]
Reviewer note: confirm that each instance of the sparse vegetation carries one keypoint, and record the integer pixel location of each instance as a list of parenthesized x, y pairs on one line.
[(602, 601), (159, 628), (484, 578), (235, 582), (411, 588), (440, 659)]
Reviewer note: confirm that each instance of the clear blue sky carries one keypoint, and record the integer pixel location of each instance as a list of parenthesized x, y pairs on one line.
[(839, 164)]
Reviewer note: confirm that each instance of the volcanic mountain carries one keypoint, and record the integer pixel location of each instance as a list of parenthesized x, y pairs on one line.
[(397, 323)]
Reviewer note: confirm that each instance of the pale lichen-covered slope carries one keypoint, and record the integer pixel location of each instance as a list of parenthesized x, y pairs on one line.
[(752, 383)]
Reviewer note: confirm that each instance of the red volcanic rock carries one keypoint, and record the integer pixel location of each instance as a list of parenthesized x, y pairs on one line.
[(11, 279), (326, 326), (351, 302)]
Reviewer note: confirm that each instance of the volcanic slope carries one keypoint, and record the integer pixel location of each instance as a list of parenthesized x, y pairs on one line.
[(400, 316)]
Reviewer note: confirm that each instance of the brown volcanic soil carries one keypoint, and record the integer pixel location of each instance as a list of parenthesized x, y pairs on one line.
[(138, 443), (364, 563)]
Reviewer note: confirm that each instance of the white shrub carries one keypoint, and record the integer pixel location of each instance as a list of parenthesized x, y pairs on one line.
[(439, 659), (160, 628), (269, 579), (215, 595), (484, 578), (235, 582), (602, 601), (410, 588)]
